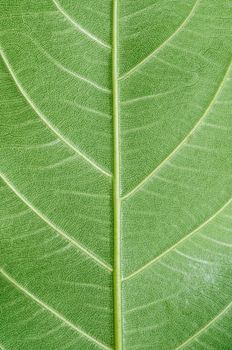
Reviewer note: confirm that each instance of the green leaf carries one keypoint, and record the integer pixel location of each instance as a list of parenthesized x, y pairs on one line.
[(116, 174)]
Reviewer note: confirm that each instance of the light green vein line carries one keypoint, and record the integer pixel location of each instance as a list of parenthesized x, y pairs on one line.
[(203, 329), (79, 27), (63, 68), (149, 57), (208, 109), (52, 311), (144, 267), (116, 185), (45, 119), (53, 226)]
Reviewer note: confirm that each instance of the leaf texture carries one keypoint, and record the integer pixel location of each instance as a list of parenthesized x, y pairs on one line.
[(115, 174)]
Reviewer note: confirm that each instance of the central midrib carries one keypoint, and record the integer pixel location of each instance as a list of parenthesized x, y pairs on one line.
[(116, 185)]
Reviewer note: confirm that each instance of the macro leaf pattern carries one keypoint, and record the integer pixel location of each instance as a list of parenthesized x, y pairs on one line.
[(115, 174)]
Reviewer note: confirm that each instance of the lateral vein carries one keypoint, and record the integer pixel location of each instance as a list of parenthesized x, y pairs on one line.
[(84, 250), (208, 109), (55, 313), (66, 70), (79, 27), (203, 329), (45, 120), (151, 55), (144, 267)]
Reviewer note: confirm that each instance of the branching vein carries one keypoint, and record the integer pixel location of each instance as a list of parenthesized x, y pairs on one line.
[(45, 119), (149, 57), (181, 144), (79, 27), (203, 329), (64, 69), (53, 226), (155, 260), (55, 313)]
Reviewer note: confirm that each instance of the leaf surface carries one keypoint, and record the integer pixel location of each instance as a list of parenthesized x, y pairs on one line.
[(115, 167)]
